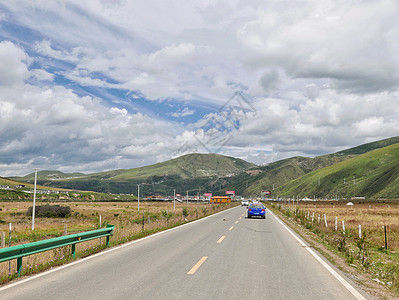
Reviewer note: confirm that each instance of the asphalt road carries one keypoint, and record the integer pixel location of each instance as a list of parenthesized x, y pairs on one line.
[(225, 256)]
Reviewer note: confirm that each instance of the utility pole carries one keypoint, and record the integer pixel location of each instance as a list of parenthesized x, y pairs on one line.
[(138, 197), (187, 198), (354, 179), (34, 202), (174, 199)]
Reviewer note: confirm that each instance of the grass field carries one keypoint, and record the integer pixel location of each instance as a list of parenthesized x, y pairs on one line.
[(365, 250), (86, 216)]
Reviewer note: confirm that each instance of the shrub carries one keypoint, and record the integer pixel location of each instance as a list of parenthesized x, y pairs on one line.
[(204, 210), (50, 211), (185, 212)]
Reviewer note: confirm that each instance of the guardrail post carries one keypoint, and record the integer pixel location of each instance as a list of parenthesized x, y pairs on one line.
[(73, 250), (19, 266), (107, 241)]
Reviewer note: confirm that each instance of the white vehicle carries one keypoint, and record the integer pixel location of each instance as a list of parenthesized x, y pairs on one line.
[(244, 203)]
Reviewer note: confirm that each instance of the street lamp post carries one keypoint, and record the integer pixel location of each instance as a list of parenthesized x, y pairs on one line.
[(34, 202)]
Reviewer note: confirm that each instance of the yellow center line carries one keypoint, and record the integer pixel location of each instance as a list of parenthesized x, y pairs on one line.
[(221, 239), (231, 228), (236, 222), (197, 265)]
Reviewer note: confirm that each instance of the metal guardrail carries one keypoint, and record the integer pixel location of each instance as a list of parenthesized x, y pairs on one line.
[(19, 251)]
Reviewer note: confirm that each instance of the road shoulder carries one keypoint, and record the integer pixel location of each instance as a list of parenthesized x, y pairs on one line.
[(362, 279)]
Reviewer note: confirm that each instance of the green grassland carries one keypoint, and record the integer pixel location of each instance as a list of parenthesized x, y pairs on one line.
[(374, 174)]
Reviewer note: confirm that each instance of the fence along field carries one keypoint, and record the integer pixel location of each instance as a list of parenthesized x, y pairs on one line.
[(129, 224), (373, 246)]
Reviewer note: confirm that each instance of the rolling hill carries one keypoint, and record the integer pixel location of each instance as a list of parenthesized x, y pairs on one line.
[(215, 173), (279, 173), (373, 174), (186, 173)]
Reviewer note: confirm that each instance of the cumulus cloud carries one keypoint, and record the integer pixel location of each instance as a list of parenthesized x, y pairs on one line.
[(14, 64), (320, 76), (54, 127)]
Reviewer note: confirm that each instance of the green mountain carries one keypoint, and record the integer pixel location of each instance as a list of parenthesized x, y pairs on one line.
[(190, 166), (277, 174), (373, 174), (199, 173), (191, 172), (362, 149), (48, 175)]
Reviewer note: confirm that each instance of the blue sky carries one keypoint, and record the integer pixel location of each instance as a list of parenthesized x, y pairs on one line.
[(121, 84)]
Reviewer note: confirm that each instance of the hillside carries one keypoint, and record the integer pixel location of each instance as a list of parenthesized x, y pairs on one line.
[(278, 173), (188, 173), (48, 175), (281, 172), (374, 174), (8, 182), (190, 166), (215, 173), (362, 149)]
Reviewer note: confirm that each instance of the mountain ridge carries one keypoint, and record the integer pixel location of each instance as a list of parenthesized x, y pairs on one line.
[(210, 172)]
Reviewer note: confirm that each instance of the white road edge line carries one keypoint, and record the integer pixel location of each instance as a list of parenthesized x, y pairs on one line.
[(345, 283), (104, 252)]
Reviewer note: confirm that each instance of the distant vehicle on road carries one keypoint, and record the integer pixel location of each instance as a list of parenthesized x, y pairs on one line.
[(244, 203), (256, 209), (220, 199)]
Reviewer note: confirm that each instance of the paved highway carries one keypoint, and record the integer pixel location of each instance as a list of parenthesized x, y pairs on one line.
[(225, 256)]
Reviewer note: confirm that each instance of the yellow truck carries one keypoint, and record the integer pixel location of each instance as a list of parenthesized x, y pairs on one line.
[(220, 199)]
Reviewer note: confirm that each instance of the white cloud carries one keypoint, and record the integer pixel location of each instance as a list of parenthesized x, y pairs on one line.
[(186, 112), (42, 75), (13, 67), (56, 128), (323, 75)]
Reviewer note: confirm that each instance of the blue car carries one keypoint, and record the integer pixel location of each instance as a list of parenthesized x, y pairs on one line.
[(256, 209)]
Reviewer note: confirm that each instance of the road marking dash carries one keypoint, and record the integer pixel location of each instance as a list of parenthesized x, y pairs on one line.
[(221, 239), (231, 228), (240, 218), (197, 265), (236, 222)]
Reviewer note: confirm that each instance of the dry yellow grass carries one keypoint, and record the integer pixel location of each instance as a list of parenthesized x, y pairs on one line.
[(371, 216)]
